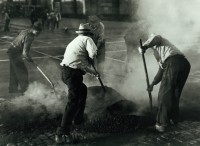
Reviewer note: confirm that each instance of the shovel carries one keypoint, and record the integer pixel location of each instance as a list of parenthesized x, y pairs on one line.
[(147, 77), (103, 87), (51, 83)]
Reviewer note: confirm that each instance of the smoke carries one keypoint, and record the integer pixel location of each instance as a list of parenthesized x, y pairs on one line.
[(135, 85), (37, 96), (176, 20)]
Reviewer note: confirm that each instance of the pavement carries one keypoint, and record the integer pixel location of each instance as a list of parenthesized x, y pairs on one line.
[(72, 23), (47, 51)]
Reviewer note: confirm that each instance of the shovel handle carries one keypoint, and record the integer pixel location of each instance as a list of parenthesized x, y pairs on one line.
[(51, 83), (103, 87), (147, 77)]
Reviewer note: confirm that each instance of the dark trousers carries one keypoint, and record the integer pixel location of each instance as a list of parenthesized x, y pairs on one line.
[(57, 24), (101, 58), (43, 23), (173, 80), (77, 93), (6, 27), (33, 20), (18, 73)]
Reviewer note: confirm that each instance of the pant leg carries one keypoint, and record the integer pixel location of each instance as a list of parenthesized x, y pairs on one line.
[(6, 27), (81, 107), (164, 98), (166, 94), (32, 21), (73, 79), (172, 83), (181, 79), (43, 24), (13, 81), (57, 24), (21, 72)]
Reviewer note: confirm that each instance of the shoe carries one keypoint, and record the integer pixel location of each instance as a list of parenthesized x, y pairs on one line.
[(63, 136), (60, 139), (160, 128)]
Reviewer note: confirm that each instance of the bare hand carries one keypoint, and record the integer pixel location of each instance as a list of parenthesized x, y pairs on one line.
[(97, 75), (141, 50)]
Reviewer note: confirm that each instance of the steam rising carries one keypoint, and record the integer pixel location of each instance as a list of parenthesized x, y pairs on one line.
[(39, 95), (176, 20)]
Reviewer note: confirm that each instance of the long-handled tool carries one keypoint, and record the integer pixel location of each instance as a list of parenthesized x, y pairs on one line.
[(147, 77), (103, 87), (52, 85)]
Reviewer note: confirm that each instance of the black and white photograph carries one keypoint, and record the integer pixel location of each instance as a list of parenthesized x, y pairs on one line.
[(99, 73)]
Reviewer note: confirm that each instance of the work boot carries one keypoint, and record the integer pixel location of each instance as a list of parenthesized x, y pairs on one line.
[(62, 136), (160, 128), (63, 139)]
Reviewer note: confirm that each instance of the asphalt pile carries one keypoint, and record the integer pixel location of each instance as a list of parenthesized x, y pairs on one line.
[(106, 112)]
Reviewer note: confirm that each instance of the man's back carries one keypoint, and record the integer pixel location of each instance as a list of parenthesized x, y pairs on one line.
[(79, 51)]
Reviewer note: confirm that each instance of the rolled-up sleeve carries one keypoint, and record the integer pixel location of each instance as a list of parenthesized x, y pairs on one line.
[(91, 48)]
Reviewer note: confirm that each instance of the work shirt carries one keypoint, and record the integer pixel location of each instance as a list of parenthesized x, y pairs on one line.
[(22, 43), (162, 48), (98, 34), (78, 52)]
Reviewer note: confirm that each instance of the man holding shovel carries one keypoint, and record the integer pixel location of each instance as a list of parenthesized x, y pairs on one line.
[(18, 50), (173, 72), (78, 56)]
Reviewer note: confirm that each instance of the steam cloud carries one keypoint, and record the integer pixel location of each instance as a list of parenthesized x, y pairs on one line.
[(176, 20), (39, 95)]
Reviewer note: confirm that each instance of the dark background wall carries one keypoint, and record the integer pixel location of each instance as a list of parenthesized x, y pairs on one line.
[(106, 9)]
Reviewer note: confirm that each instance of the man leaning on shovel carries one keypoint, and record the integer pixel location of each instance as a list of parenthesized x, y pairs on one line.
[(78, 56), (173, 72), (18, 50)]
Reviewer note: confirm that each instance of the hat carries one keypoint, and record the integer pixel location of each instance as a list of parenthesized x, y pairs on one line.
[(93, 19), (37, 26), (84, 28)]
